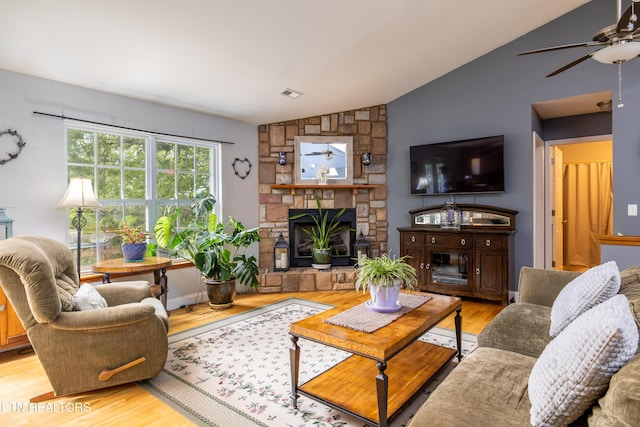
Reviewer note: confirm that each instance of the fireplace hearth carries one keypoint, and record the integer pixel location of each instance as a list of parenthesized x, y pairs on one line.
[(300, 244)]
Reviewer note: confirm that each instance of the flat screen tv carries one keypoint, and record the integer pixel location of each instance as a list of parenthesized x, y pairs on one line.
[(458, 167)]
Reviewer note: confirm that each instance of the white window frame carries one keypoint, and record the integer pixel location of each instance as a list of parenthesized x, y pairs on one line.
[(150, 201)]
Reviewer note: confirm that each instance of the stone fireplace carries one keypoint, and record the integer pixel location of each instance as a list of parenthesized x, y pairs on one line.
[(341, 246), (278, 194)]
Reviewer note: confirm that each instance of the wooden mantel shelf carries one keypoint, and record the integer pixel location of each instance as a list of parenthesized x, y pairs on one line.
[(293, 187)]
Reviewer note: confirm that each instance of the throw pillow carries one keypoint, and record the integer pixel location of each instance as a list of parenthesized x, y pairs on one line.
[(87, 298), (576, 366), (592, 287)]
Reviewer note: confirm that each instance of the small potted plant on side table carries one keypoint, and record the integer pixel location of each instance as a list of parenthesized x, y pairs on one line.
[(384, 277), (134, 243)]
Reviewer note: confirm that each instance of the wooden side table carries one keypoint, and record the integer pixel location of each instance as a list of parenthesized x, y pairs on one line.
[(156, 264)]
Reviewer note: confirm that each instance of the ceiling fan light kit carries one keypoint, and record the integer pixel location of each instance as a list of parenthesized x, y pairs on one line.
[(617, 41), (619, 52)]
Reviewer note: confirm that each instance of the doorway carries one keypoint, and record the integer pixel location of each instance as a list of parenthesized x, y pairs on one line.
[(579, 194), (564, 125)]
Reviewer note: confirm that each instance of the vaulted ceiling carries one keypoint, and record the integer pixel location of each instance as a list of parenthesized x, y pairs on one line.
[(234, 58)]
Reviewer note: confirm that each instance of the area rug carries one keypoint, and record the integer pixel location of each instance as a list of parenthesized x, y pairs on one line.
[(235, 371)]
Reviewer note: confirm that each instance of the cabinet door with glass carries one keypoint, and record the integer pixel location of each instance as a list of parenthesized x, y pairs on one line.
[(449, 270)]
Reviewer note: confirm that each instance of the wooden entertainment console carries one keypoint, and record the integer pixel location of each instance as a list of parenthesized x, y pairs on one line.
[(474, 260)]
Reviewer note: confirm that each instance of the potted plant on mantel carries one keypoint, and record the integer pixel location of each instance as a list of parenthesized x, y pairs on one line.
[(134, 242), (384, 277), (216, 248), (321, 234)]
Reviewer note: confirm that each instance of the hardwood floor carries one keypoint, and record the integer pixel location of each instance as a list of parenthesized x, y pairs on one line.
[(22, 377)]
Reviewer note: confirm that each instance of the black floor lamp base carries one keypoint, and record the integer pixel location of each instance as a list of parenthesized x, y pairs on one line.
[(78, 223)]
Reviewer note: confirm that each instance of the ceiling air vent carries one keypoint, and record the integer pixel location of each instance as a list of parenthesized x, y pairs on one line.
[(291, 93)]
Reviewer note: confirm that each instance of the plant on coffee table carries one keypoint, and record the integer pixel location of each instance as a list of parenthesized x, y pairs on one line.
[(384, 276)]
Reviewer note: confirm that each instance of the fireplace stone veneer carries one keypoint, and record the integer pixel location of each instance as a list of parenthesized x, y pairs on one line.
[(307, 279), (368, 127)]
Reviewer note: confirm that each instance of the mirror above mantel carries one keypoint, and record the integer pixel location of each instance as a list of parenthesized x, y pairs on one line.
[(323, 160)]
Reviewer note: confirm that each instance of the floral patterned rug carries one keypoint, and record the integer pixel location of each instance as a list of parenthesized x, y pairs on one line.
[(235, 372)]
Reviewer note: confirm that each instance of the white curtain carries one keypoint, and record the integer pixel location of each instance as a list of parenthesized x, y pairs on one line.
[(588, 209)]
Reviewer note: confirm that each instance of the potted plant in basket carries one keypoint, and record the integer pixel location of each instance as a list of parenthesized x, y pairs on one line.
[(216, 248), (134, 242), (384, 277), (321, 234)]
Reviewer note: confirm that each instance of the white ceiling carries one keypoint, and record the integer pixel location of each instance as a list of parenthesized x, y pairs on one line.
[(573, 106), (233, 58)]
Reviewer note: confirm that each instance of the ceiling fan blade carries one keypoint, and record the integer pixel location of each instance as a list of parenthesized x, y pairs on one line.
[(566, 67), (320, 153), (624, 20), (566, 46)]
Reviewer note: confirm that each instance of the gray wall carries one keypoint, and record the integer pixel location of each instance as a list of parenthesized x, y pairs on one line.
[(625, 256), (577, 126), (493, 95), (33, 184)]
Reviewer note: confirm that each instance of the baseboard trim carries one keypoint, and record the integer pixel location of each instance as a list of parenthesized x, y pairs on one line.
[(197, 298), (186, 300)]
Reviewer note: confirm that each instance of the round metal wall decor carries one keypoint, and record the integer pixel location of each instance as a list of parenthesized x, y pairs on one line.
[(11, 145), (241, 167)]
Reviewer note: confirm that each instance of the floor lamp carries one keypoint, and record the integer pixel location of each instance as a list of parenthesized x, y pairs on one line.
[(79, 195)]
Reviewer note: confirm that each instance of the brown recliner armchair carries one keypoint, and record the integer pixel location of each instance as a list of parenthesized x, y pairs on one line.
[(81, 350)]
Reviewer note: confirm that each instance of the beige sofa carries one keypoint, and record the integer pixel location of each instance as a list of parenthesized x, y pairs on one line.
[(490, 386)]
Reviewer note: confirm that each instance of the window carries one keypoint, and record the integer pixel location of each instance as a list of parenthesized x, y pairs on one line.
[(137, 177)]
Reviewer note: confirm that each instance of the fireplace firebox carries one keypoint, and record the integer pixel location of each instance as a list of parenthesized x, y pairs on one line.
[(342, 245)]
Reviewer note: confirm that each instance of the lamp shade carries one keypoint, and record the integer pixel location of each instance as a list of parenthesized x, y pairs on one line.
[(79, 195)]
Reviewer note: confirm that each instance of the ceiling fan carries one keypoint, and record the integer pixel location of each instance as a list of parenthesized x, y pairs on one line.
[(328, 154), (618, 44)]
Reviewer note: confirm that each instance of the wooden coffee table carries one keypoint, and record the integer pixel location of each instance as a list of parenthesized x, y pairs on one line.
[(388, 366)]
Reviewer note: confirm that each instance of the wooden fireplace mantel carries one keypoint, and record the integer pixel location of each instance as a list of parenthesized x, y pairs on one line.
[(293, 187)]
